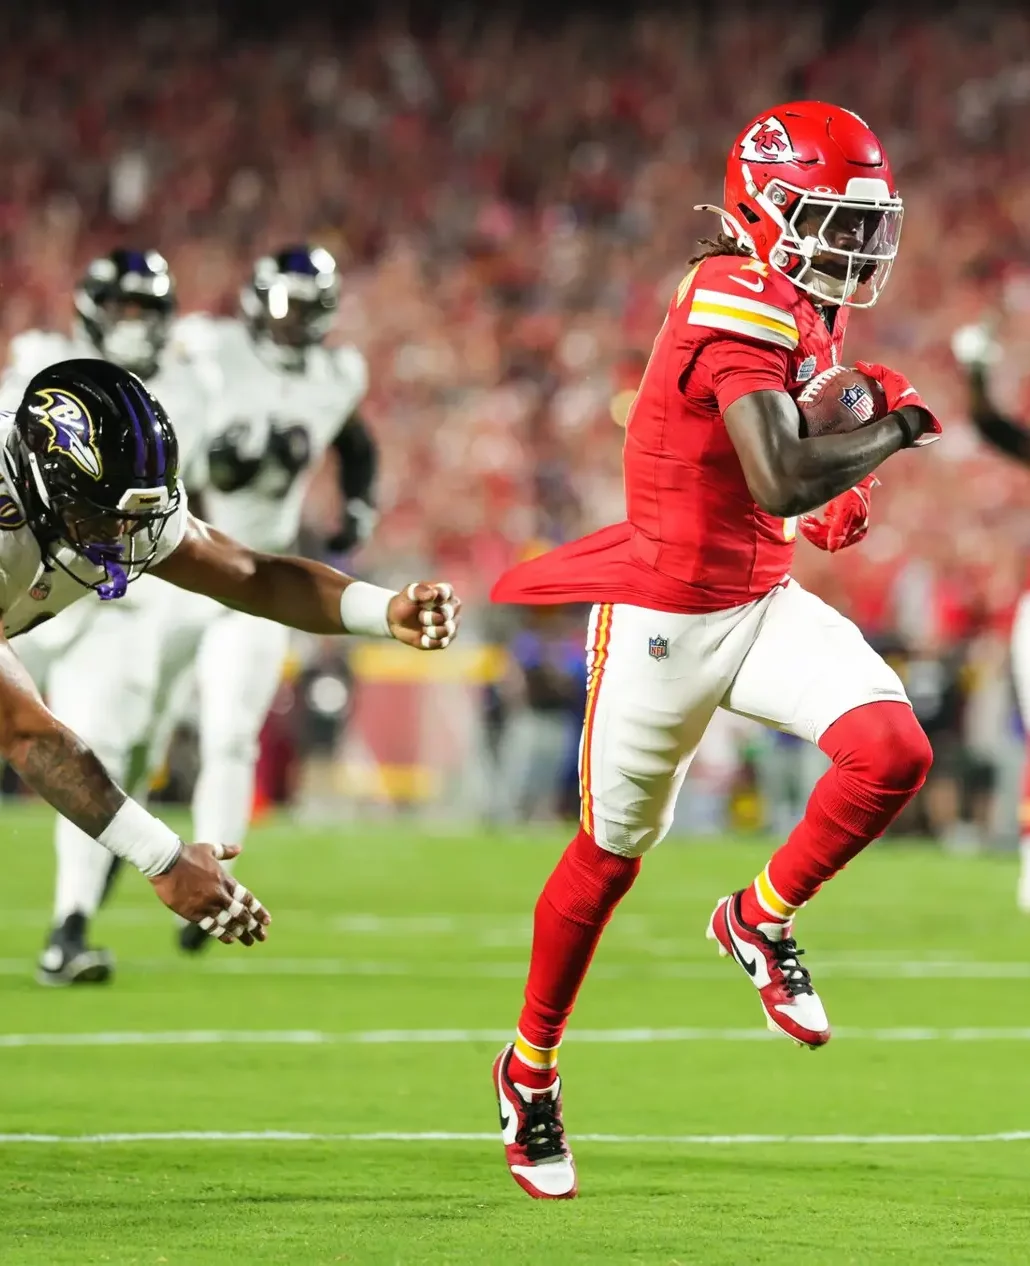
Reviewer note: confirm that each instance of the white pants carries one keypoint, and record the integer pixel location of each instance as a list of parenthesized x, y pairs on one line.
[(97, 665), (224, 666), (1020, 652), (655, 680)]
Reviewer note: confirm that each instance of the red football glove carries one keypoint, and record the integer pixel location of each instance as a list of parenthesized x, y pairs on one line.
[(900, 393), (845, 519)]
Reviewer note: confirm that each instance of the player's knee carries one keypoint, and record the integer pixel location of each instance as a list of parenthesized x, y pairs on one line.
[(231, 746), (628, 840), (882, 744)]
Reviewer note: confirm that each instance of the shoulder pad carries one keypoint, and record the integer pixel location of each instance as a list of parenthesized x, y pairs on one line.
[(351, 365), (743, 297), (35, 350), (195, 335)]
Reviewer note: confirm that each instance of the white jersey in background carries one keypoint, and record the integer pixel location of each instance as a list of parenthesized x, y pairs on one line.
[(302, 411)]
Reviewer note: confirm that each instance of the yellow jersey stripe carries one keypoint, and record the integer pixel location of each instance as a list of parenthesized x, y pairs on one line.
[(765, 329)]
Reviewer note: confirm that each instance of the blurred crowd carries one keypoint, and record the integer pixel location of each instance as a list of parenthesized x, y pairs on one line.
[(513, 203)]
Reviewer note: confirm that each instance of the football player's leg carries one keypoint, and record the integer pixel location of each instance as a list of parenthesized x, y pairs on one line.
[(811, 672), (647, 707), (1021, 676), (101, 688), (239, 666)]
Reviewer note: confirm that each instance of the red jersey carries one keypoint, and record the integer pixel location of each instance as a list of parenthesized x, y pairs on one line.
[(694, 539)]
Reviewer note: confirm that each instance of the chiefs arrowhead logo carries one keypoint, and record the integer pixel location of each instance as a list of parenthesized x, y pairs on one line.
[(767, 142)]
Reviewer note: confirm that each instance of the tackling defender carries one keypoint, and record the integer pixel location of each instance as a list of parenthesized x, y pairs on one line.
[(90, 499), (694, 608), (283, 402), (97, 663), (975, 350)]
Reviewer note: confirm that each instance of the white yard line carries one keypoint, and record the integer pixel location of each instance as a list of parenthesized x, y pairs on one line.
[(458, 969), (433, 1136), (433, 1037)]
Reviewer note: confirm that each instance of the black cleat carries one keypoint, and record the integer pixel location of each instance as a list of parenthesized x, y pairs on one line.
[(192, 938), (68, 960)]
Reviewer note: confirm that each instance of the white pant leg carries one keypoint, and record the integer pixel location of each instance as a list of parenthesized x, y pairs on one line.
[(238, 671), (808, 665), (1020, 653), (187, 617), (655, 679), (101, 687)]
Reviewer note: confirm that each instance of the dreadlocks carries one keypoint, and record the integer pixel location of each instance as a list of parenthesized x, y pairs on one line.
[(722, 244)]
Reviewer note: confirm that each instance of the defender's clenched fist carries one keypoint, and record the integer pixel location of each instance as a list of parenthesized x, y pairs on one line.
[(425, 614)]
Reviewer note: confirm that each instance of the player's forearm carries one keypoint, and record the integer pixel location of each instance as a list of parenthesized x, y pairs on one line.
[(296, 592), (819, 469), (58, 766), (1002, 432)]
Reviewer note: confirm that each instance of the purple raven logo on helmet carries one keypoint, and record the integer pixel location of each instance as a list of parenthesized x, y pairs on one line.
[(71, 428)]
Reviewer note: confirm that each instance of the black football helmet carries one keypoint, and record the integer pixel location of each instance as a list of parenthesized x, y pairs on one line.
[(126, 303), (291, 301), (96, 464)]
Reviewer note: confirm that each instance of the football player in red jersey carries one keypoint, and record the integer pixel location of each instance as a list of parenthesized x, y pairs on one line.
[(975, 350), (694, 608)]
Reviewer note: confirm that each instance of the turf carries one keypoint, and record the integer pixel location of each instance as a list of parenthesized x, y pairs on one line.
[(921, 960)]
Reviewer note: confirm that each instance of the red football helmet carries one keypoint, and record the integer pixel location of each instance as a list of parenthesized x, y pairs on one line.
[(810, 192)]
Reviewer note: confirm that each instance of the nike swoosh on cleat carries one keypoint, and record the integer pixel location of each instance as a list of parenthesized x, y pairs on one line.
[(504, 1122), (749, 965)]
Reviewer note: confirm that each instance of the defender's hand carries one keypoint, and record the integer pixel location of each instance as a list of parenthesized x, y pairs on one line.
[(973, 346), (844, 521), (198, 889), (921, 424), (425, 614)]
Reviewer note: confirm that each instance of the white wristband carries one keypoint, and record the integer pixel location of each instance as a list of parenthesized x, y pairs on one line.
[(363, 609), (140, 838)]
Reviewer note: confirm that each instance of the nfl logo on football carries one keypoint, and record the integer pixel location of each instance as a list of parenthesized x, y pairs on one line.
[(658, 647), (859, 401)]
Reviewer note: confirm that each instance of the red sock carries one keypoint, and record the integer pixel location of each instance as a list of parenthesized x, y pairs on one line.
[(880, 760), (576, 903)]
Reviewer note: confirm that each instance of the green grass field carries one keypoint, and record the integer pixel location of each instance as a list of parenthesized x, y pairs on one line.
[(393, 973)]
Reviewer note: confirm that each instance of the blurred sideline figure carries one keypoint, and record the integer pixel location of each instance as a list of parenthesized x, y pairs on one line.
[(97, 663), (975, 350)]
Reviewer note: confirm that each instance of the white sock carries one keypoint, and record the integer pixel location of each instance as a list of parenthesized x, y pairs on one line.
[(82, 870)]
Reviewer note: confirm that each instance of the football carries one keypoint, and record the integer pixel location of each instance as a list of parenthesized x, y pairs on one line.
[(838, 400)]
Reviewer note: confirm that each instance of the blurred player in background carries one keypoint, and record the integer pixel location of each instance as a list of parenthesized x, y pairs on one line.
[(694, 605), (97, 663), (284, 401), (975, 350)]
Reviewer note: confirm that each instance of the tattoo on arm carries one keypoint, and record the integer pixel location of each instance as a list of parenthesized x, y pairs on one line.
[(65, 772)]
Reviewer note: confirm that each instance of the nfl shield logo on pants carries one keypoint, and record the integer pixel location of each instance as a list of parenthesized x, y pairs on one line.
[(658, 647)]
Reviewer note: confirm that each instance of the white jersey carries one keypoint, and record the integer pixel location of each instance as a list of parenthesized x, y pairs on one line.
[(31, 593), (180, 384), (304, 410)]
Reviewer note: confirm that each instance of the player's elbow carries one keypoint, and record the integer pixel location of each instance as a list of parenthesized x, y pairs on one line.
[(774, 494), (21, 727)]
